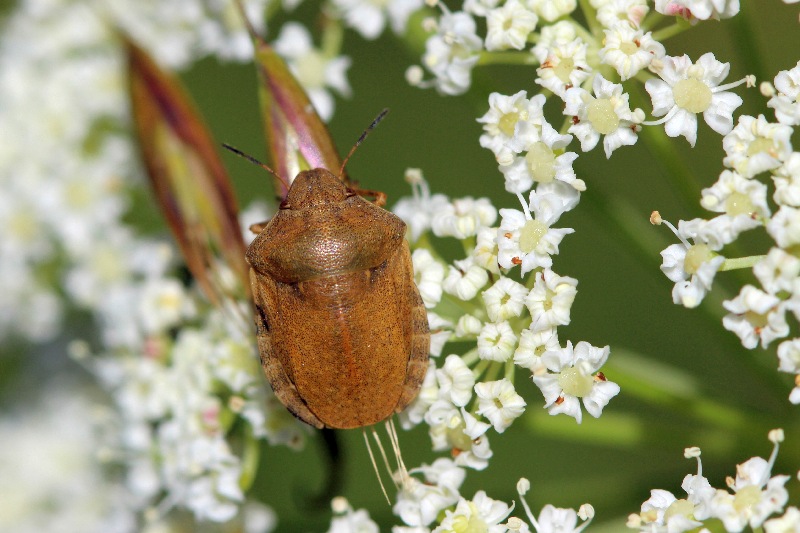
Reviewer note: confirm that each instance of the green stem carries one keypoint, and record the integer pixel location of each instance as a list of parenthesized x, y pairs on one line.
[(506, 58), (509, 370), (670, 31), (591, 18), (470, 358), (480, 368), (493, 371), (468, 245), (651, 20), (454, 308), (332, 38), (741, 262), (250, 458)]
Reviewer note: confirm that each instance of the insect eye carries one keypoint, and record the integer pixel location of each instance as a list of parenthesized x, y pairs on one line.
[(284, 205), (350, 193)]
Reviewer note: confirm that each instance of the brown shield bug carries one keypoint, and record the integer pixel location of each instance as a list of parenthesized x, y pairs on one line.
[(342, 331)]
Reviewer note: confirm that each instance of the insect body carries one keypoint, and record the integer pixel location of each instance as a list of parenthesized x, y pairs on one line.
[(342, 330)]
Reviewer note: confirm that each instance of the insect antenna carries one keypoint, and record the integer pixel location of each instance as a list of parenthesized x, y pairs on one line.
[(374, 464), (391, 430), (385, 458), (256, 162), (362, 137)]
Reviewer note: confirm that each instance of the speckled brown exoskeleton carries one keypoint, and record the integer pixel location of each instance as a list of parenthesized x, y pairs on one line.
[(342, 330)]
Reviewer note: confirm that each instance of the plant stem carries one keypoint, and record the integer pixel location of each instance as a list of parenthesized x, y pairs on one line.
[(741, 262)]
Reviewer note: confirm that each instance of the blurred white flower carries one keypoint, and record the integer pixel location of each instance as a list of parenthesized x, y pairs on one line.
[(347, 520), (756, 495), (756, 317), (552, 10), (508, 26), (452, 51), (532, 344), (629, 50), (691, 266), (784, 227), (554, 519), (785, 101), (505, 299), (505, 115), (540, 163), (788, 523), (779, 272), (428, 393), (479, 8), (550, 300), (698, 9), (315, 71), (455, 381), (464, 279), (612, 12), (368, 17), (164, 304), (551, 35), (418, 210), (787, 181), (177, 33), (468, 326), (499, 402), (419, 502), (789, 361), (428, 276), (496, 341), (441, 330), (481, 514), (563, 65), (664, 512), (53, 478), (463, 217), (743, 203), (755, 146), (485, 252)]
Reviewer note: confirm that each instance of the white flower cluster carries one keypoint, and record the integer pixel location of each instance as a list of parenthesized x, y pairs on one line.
[(535, 160), (179, 32), (178, 396), (512, 325), (65, 166), (755, 148), (53, 478), (532, 154), (180, 376), (751, 498), (569, 57)]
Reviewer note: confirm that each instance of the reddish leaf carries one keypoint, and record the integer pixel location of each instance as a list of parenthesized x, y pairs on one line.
[(192, 188), (297, 139)]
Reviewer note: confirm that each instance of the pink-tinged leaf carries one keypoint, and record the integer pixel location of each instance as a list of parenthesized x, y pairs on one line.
[(297, 139), (191, 186)]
